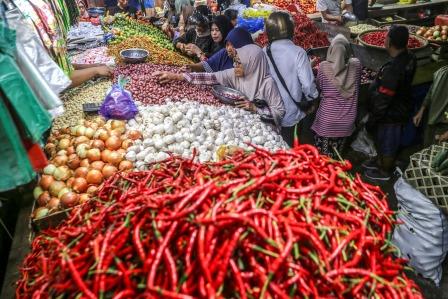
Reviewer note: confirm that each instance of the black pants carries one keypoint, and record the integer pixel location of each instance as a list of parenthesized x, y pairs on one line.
[(304, 132)]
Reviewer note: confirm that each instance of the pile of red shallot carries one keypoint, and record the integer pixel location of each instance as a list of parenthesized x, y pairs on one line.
[(145, 87), (81, 157)]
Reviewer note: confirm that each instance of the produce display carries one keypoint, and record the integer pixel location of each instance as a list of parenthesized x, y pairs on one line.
[(145, 87), (129, 27), (306, 6), (357, 29), (288, 224), (80, 158), (93, 56), (256, 13), (377, 38), (181, 127), (90, 92), (157, 54), (84, 30), (306, 34), (435, 33)]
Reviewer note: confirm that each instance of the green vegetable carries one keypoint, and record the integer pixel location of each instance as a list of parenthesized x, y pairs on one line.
[(439, 158)]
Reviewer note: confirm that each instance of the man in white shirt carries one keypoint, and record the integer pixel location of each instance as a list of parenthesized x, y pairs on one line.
[(290, 64), (331, 10)]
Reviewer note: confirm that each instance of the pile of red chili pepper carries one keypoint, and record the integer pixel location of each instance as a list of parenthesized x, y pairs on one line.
[(306, 34), (256, 224), (377, 38)]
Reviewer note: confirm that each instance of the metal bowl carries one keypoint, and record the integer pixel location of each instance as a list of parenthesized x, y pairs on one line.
[(227, 95), (134, 55), (96, 11)]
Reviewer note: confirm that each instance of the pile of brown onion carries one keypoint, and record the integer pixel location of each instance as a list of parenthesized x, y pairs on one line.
[(80, 159)]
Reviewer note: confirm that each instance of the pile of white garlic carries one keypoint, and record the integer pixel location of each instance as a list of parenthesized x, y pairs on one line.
[(183, 126)]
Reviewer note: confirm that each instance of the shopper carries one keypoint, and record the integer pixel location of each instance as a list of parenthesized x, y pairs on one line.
[(198, 36), (250, 76), (331, 10), (291, 69), (390, 103), (223, 60), (338, 79), (436, 103), (176, 23), (219, 29), (83, 14), (122, 7), (232, 15)]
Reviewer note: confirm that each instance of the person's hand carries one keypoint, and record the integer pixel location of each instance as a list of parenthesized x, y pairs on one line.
[(186, 69), (246, 105), (443, 137), (239, 70), (104, 71), (418, 117), (181, 47), (166, 77), (314, 61), (193, 49)]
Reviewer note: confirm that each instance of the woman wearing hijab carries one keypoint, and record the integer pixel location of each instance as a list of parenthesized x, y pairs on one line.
[(83, 14), (338, 79), (223, 59), (199, 37), (250, 76), (219, 29)]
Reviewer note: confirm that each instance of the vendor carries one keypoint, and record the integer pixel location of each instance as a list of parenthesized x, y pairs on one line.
[(85, 72), (361, 8), (331, 10), (223, 59), (83, 14), (294, 76), (176, 23), (250, 76), (390, 103), (123, 7), (436, 103), (198, 37), (232, 15)]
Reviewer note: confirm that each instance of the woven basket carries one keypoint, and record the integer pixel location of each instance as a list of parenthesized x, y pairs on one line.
[(422, 176)]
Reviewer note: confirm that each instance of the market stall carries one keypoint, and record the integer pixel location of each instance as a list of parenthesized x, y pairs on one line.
[(168, 191)]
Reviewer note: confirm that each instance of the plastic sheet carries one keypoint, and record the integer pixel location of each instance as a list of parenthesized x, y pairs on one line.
[(31, 44), (252, 25), (118, 103)]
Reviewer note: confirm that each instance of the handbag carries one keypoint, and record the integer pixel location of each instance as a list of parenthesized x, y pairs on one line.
[(304, 104)]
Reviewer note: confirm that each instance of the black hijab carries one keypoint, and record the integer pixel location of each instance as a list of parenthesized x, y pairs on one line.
[(224, 27)]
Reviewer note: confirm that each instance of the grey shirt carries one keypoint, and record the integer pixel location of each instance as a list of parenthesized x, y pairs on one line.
[(333, 7), (295, 68)]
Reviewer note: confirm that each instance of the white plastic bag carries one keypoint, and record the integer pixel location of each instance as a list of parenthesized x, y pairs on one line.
[(364, 144), (423, 236)]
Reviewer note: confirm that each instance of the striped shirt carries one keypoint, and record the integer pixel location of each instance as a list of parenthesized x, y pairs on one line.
[(336, 115)]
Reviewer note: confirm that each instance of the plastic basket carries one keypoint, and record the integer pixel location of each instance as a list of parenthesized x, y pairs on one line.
[(422, 176)]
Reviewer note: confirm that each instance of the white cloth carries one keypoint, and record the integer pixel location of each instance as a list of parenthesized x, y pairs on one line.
[(333, 7), (294, 66)]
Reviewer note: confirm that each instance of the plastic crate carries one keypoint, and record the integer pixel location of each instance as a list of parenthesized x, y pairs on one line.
[(422, 176)]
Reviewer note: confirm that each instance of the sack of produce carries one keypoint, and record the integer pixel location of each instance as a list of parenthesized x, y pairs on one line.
[(428, 173), (118, 103), (423, 236)]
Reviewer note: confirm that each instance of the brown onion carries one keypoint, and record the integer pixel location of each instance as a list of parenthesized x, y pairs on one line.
[(89, 133), (105, 155), (93, 154), (70, 181), (85, 163), (122, 152), (125, 165), (79, 185), (73, 161), (81, 150), (98, 165), (64, 144), (115, 158), (70, 199), (70, 150), (81, 172), (100, 121), (60, 160), (117, 132), (40, 212), (134, 134), (99, 144), (63, 191), (117, 124), (92, 190), (62, 173), (37, 191), (50, 148), (43, 199), (102, 134), (46, 181), (81, 140), (53, 204), (83, 198), (94, 177), (56, 187), (108, 171), (61, 153), (126, 143), (49, 169), (113, 143)]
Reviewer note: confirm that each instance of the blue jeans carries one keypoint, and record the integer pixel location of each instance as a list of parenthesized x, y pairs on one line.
[(389, 139)]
